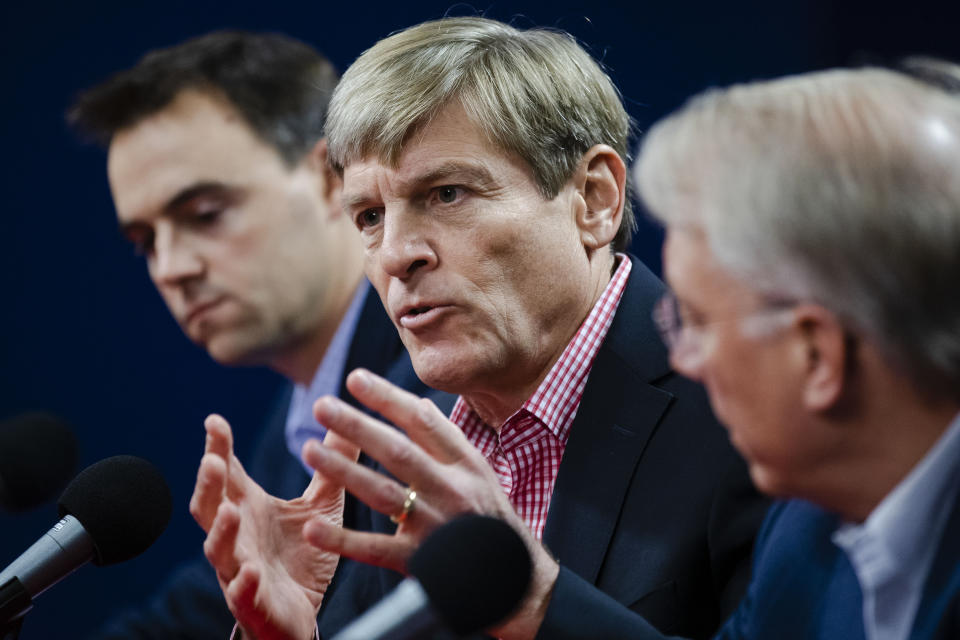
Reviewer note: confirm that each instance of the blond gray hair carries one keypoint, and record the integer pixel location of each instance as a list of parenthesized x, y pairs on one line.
[(534, 93), (840, 187)]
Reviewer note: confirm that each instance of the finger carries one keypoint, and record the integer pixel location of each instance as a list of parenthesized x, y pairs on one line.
[(376, 490), (208, 490), (419, 417), (341, 445), (378, 549), (321, 486), (219, 436), (220, 443), (241, 596), (401, 457), (220, 547)]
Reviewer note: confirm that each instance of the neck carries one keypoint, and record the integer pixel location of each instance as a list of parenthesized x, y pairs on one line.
[(299, 361), (510, 388), (885, 445)]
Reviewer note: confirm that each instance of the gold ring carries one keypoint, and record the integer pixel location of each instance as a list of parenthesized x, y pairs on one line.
[(407, 507)]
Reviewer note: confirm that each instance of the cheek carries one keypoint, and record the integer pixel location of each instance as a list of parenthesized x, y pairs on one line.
[(730, 380)]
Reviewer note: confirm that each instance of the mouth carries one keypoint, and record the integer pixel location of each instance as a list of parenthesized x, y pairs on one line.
[(197, 311), (420, 316)]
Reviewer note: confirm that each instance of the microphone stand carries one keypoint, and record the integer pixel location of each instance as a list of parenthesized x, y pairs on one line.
[(15, 602)]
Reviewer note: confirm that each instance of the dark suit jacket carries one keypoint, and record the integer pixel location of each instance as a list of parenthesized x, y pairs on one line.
[(803, 588), (190, 605), (651, 503)]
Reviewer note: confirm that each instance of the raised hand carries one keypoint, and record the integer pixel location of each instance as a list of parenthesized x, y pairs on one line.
[(449, 475), (273, 580)]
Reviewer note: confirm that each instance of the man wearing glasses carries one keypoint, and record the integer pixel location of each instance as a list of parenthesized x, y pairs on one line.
[(813, 244)]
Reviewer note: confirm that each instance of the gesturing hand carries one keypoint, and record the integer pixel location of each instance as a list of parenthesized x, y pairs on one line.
[(273, 580), (449, 475)]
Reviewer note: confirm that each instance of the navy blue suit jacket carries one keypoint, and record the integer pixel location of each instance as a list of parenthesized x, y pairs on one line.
[(803, 589), (190, 604)]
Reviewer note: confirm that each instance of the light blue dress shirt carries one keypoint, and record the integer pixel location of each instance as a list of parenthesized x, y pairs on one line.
[(893, 549), (300, 425)]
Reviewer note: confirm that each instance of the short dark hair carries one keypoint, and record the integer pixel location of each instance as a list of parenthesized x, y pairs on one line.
[(280, 85)]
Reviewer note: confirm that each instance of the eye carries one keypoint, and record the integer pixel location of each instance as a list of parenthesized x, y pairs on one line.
[(142, 241), (368, 218), (448, 194), (208, 216)]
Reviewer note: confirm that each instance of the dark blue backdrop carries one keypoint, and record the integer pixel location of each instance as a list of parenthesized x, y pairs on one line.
[(85, 335)]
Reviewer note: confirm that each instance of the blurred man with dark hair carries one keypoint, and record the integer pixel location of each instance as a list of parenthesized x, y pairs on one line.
[(219, 175)]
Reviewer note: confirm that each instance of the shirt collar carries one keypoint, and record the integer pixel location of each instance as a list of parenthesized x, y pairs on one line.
[(549, 404)]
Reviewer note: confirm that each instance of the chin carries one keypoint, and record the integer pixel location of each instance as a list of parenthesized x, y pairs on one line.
[(230, 353), (768, 481), (440, 369)]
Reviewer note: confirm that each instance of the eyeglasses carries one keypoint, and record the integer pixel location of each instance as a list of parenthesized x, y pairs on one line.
[(685, 340)]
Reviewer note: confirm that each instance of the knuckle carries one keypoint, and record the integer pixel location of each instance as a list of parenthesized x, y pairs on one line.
[(387, 498), (209, 551), (380, 554), (401, 453), (426, 411)]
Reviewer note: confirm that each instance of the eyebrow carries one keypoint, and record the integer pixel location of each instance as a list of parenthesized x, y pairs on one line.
[(183, 196), (189, 193), (470, 173)]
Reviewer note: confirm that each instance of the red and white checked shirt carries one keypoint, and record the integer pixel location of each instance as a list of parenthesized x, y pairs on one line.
[(526, 453)]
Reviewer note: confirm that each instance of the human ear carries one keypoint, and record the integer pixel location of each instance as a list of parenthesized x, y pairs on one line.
[(327, 179), (826, 356), (602, 178)]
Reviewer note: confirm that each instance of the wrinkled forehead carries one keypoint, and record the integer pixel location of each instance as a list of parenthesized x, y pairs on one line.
[(389, 137), (449, 147)]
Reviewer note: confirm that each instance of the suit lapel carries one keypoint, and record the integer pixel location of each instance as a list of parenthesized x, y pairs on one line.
[(619, 412)]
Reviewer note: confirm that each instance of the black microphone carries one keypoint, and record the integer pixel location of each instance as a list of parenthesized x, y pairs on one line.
[(38, 456), (112, 511), (468, 575)]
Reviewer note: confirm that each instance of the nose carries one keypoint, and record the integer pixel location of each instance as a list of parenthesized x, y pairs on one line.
[(406, 247), (174, 260)]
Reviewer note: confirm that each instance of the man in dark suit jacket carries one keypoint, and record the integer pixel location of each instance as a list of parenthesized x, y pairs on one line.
[(484, 167), (225, 190), (813, 239), (637, 425)]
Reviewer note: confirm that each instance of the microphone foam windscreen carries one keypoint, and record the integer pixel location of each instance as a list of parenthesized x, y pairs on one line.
[(38, 455), (475, 569), (124, 504)]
